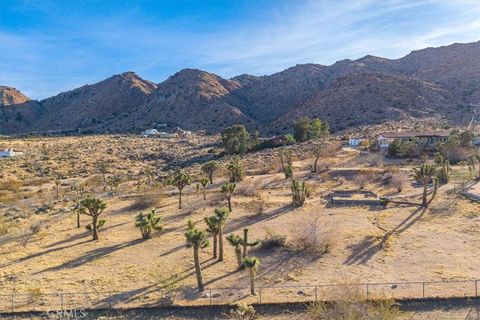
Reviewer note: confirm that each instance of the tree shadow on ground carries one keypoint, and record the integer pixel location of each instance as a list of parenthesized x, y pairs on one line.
[(91, 256), (367, 248)]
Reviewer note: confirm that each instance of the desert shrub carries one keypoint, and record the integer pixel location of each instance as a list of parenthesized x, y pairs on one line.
[(146, 201), (11, 185), (34, 295), (257, 205), (5, 226), (353, 309), (312, 236), (398, 182), (248, 190), (243, 311), (361, 180), (273, 240)]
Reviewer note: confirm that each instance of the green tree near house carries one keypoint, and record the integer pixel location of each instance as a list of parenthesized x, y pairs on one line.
[(196, 239), (306, 129), (235, 139)]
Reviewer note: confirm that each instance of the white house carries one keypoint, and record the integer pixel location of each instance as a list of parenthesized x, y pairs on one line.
[(354, 141), (429, 138), (9, 152), (150, 132)]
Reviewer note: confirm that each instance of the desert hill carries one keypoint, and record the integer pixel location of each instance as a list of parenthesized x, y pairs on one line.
[(435, 83)]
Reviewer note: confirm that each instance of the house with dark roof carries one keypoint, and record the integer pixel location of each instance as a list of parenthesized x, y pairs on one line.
[(425, 137)]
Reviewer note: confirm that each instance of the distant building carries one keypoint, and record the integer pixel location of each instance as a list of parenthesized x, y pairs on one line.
[(150, 132), (428, 138), (354, 141), (9, 152)]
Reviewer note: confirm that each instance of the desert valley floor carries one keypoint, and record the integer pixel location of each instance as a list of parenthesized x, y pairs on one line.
[(392, 244)]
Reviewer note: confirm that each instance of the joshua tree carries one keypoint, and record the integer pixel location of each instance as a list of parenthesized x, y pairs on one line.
[(179, 179), (299, 193), (212, 228), (57, 185), (196, 239), (424, 174), (252, 263), (246, 243), (147, 223), (317, 152), (236, 243), (229, 189), (79, 190), (197, 189), (93, 207), (204, 182), (209, 168), (150, 173), (114, 182), (235, 169), (222, 215), (286, 160), (102, 167)]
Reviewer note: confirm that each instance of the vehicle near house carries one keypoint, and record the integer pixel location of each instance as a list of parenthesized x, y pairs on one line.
[(150, 133), (429, 139), (354, 141)]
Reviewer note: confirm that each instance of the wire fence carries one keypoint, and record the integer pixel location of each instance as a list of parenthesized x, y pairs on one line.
[(45, 301)]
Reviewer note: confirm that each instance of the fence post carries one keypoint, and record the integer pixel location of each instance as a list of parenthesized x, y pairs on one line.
[(110, 300), (260, 295), (61, 301), (316, 293), (367, 291), (476, 288), (210, 294), (423, 289), (13, 302)]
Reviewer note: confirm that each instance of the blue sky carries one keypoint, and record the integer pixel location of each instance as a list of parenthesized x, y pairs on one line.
[(47, 47)]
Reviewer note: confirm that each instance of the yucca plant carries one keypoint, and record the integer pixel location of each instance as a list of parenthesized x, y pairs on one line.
[(443, 168), (196, 239), (424, 174), (212, 228), (229, 189), (235, 169), (236, 242), (300, 193), (222, 215), (204, 182), (246, 244), (147, 223), (252, 264), (286, 160), (179, 179), (93, 207)]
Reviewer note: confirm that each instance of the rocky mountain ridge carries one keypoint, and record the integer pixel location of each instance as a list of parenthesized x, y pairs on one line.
[(434, 83)]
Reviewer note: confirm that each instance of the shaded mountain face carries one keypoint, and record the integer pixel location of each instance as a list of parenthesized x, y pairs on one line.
[(434, 83)]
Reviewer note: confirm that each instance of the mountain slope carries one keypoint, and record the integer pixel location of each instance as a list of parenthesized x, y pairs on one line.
[(438, 83)]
